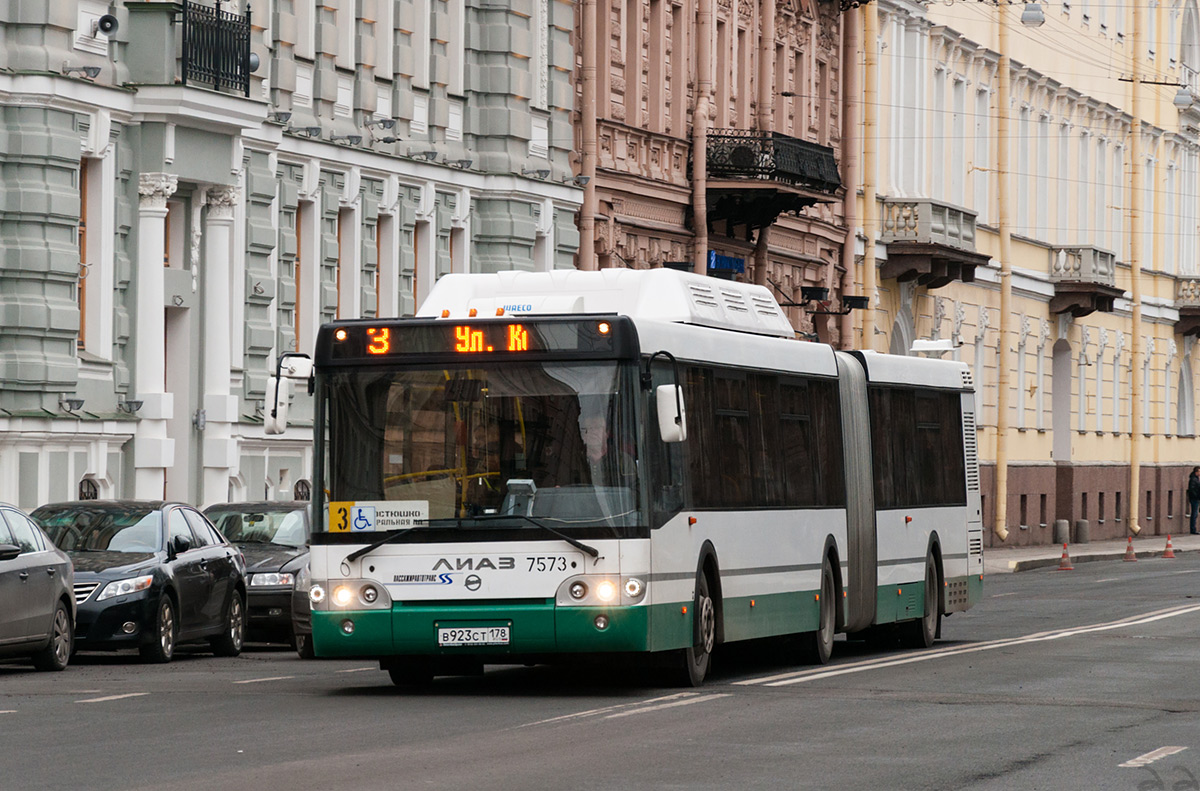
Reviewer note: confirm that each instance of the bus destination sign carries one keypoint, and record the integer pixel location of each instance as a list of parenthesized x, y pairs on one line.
[(472, 338)]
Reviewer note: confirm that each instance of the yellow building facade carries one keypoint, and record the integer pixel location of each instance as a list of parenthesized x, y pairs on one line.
[(1029, 180)]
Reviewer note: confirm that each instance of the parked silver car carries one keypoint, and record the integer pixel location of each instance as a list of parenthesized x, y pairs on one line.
[(37, 600)]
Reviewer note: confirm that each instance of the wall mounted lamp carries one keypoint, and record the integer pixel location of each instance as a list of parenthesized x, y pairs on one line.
[(281, 117), (88, 72), (461, 164), (129, 406), (428, 156), (70, 404), (307, 131), (382, 123), (351, 139), (578, 181), (541, 173)]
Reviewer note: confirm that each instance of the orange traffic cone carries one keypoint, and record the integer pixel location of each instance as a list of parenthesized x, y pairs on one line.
[(1129, 555), (1065, 563), (1169, 552)]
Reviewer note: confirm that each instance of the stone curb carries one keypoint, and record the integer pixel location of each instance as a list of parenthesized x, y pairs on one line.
[(1040, 563)]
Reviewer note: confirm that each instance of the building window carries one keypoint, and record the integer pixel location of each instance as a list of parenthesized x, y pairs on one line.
[(83, 251)]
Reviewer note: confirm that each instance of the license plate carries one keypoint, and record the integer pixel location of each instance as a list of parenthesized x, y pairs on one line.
[(473, 635)]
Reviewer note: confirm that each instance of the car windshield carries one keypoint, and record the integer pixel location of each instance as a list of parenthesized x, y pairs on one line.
[(554, 441), (261, 526), (134, 530)]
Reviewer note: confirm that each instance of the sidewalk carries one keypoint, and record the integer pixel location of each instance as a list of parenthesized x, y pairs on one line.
[(1004, 560)]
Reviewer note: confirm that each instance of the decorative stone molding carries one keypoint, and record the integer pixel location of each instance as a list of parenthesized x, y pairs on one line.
[(155, 188), (222, 201)]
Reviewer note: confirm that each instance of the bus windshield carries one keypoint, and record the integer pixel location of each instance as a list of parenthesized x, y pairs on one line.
[(488, 446)]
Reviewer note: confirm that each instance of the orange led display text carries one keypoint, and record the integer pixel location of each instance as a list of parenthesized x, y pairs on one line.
[(380, 340)]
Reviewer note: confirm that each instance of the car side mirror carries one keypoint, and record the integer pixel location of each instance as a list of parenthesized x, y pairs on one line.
[(9, 551), (181, 544)]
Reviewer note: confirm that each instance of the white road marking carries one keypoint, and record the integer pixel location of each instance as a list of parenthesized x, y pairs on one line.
[(801, 676), (1151, 757), (9, 711), (998, 595), (1109, 579), (258, 680), (113, 697), (357, 669), (686, 702), (608, 709)]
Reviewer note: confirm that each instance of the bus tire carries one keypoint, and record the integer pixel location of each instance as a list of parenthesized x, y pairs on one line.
[(409, 672), (817, 646), (697, 657), (921, 632)]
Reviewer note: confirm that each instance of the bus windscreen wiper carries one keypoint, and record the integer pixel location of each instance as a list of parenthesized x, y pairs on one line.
[(369, 548), (595, 553)]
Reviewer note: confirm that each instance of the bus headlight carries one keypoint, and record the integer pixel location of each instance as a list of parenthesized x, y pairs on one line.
[(316, 594), (579, 589), (634, 588), (606, 591), (342, 595)]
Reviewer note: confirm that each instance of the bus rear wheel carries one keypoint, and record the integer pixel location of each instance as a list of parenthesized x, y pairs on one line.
[(697, 657), (921, 632), (817, 646)]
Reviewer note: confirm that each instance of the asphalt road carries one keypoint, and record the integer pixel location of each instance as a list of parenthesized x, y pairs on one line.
[(1058, 680)]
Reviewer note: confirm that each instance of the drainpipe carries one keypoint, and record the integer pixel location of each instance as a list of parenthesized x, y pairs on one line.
[(766, 120), (704, 80), (1003, 197), (587, 212), (1135, 273), (870, 12), (850, 175)]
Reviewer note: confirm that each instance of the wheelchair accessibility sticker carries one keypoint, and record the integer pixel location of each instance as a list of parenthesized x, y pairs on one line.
[(356, 517)]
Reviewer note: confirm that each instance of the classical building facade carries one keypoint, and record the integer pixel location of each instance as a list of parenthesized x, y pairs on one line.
[(177, 213), (710, 134), (1033, 211)]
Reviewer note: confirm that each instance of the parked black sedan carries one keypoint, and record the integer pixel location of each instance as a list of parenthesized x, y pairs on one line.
[(149, 575), (37, 608), (273, 536)]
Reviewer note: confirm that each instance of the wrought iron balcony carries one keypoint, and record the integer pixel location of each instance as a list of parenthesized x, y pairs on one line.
[(216, 47), (770, 156), (929, 241), (753, 177), (1187, 302), (1084, 279)]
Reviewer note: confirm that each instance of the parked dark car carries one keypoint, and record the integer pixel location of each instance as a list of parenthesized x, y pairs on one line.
[(37, 608), (150, 575), (273, 537)]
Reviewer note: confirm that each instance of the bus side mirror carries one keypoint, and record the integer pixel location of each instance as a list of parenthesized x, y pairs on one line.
[(672, 416), (291, 365), (279, 391)]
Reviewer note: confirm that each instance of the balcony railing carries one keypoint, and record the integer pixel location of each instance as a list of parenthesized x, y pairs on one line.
[(748, 154), (927, 222), (216, 47), (1187, 292), (1082, 265)]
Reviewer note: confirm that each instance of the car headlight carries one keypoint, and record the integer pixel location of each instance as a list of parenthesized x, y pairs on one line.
[(271, 579), (125, 587)]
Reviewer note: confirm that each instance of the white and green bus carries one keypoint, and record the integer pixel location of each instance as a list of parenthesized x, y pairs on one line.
[(628, 463)]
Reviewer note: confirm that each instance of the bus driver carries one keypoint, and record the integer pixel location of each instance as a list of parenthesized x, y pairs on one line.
[(606, 465)]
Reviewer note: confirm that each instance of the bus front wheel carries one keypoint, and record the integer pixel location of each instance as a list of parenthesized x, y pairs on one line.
[(698, 656)]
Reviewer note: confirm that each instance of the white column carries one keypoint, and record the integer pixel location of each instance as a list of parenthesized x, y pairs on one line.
[(153, 450), (219, 450)]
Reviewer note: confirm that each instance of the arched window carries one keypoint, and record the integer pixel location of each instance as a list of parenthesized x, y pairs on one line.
[(1184, 410), (1189, 44)]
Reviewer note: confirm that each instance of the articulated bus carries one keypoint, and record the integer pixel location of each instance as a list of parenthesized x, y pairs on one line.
[(628, 463)]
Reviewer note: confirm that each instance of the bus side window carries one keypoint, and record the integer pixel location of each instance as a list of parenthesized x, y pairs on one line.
[(666, 493)]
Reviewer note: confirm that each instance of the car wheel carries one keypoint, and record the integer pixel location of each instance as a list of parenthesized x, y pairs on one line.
[(697, 657), (229, 642), (161, 645), (304, 646), (57, 652)]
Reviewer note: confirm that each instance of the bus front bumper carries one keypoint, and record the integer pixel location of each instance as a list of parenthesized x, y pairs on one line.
[(535, 628)]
